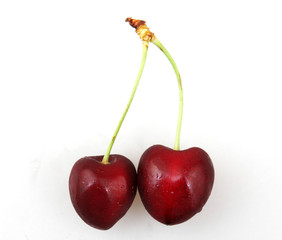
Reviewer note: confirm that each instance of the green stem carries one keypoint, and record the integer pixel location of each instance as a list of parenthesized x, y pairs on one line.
[(180, 113), (144, 55)]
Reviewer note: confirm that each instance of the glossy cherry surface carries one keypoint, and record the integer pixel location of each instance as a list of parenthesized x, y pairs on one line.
[(174, 185), (102, 193)]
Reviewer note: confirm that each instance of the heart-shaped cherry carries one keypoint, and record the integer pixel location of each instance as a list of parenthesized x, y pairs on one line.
[(174, 185), (102, 193), (102, 188)]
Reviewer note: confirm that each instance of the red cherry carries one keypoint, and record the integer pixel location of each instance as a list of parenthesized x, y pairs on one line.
[(102, 188), (174, 185), (102, 193)]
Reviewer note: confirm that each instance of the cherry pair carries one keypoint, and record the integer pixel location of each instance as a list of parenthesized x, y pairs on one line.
[(173, 185)]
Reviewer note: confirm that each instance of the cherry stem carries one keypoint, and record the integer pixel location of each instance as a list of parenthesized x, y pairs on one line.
[(143, 60), (155, 41)]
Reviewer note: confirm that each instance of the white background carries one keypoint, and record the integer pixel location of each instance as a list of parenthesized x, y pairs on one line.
[(66, 72)]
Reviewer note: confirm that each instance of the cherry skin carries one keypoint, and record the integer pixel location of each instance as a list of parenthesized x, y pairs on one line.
[(174, 185), (102, 193)]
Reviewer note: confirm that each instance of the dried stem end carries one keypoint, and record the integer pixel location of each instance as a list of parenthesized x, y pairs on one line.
[(141, 29)]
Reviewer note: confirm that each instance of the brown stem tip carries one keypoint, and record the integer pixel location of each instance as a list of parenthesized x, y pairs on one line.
[(141, 28)]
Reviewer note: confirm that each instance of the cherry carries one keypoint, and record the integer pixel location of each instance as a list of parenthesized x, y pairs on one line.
[(102, 193), (174, 185), (102, 188)]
